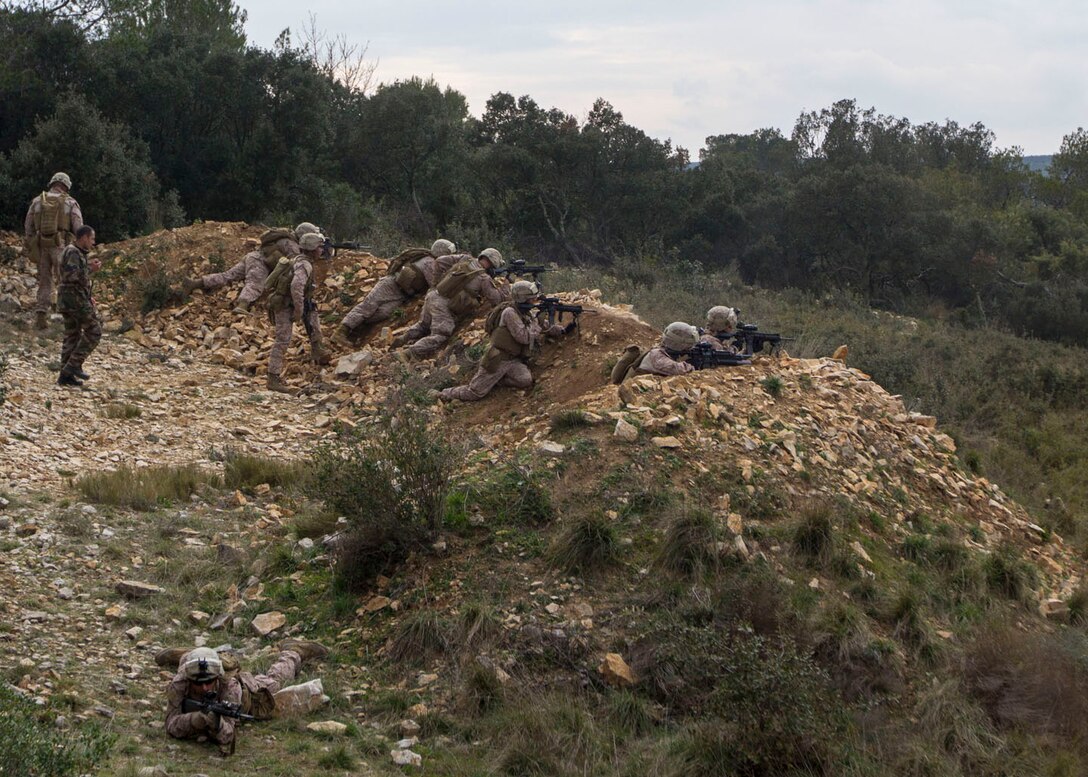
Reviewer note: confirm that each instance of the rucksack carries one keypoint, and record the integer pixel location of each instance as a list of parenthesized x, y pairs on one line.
[(51, 215), (455, 281), (491, 323), (270, 237), (278, 283), (632, 355), (407, 256)]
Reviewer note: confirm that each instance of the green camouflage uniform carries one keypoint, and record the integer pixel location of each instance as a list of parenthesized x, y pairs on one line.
[(82, 329)]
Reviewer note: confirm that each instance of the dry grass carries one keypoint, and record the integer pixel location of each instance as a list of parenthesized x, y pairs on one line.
[(145, 488)]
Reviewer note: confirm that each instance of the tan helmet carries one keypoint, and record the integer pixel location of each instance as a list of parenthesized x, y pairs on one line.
[(311, 241), (523, 291), (442, 247), (721, 319), (306, 228), (61, 178), (679, 336), (492, 255), (202, 665)]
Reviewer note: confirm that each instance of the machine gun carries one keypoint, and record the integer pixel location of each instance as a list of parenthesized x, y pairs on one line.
[(703, 356), (519, 267), (553, 307), (210, 703)]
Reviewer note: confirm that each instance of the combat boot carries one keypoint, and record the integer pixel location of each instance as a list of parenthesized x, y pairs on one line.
[(68, 379), (275, 383), (79, 373), (399, 340), (42, 320), (320, 355), (168, 658), (189, 285), (242, 306), (307, 650), (342, 337)]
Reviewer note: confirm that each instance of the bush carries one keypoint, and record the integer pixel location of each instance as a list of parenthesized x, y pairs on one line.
[(814, 535), (587, 544), (1009, 575), (145, 488), (390, 481), (691, 544), (34, 746), (514, 494), (153, 288)]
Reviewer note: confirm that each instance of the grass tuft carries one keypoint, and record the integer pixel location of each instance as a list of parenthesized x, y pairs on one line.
[(568, 420), (588, 544), (690, 547), (245, 472), (145, 488), (419, 637)]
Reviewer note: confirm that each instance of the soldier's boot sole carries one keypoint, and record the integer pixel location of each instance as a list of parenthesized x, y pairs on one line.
[(169, 657), (308, 650)]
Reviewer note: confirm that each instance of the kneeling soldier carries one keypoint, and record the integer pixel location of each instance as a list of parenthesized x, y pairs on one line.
[(202, 677), (515, 333)]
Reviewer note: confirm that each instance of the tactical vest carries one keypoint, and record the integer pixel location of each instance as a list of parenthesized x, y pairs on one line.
[(503, 346), (53, 221), (411, 280), (407, 256), (278, 284), (455, 281)]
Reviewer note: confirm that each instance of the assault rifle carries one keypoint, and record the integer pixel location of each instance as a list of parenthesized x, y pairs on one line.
[(308, 307), (519, 267), (703, 356), (210, 703), (751, 341), (553, 307), (329, 249)]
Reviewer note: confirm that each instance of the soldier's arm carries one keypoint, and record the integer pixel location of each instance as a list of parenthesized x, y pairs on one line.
[(28, 224), (491, 292), (298, 285), (232, 694), (182, 725), (661, 363), (73, 269), (75, 216)]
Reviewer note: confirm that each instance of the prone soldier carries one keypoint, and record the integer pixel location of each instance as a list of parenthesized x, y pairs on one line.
[(664, 359), (721, 326), (51, 222), (291, 289)]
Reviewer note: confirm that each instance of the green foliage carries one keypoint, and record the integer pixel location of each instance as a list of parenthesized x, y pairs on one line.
[(1010, 575), (154, 288), (34, 746), (391, 482), (144, 488), (568, 420), (419, 636), (121, 411), (245, 471), (513, 494), (690, 546), (586, 544), (773, 385)]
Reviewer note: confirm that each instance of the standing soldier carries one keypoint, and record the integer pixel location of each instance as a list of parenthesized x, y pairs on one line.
[(82, 329), (515, 333), (417, 271), (255, 266), (291, 289), (51, 222), (457, 294)]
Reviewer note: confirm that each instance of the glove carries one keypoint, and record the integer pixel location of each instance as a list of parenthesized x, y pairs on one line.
[(570, 327), (204, 721)]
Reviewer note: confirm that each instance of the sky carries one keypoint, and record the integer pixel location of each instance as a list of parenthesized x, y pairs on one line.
[(688, 69)]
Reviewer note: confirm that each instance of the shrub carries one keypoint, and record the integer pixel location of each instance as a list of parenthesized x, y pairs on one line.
[(587, 544), (515, 494), (419, 636), (33, 745), (144, 488), (773, 385), (244, 471), (691, 544), (391, 482), (153, 288), (814, 535), (1009, 575)]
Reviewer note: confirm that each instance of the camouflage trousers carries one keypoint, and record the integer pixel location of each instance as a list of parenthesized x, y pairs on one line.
[(378, 305), (284, 329), (48, 266), (434, 328), (260, 689), (252, 269), (82, 331), (514, 373)]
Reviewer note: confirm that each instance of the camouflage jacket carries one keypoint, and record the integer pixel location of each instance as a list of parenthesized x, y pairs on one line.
[(74, 291)]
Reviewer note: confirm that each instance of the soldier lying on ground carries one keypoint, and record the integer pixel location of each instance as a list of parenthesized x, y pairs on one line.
[(203, 675), (515, 335), (454, 297), (410, 279), (721, 325), (51, 223), (254, 266), (291, 298), (664, 359)]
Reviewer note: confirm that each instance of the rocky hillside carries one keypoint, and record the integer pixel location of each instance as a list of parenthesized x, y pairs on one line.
[(761, 449)]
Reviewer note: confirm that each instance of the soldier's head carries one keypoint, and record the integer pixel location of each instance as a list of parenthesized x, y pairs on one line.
[(312, 244), (61, 180), (721, 319), (523, 291), (679, 336), (305, 228), (202, 668), (85, 237), (491, 259), (442, 247)]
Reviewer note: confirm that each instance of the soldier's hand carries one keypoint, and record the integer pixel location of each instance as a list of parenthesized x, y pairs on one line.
[(95, 265), (570, 327)]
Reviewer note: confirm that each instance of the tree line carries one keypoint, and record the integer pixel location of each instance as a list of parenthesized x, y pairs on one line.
[(163, 112)]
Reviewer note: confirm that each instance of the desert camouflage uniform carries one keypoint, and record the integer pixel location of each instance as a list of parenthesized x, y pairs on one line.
[(253, 268), (71, 219), (439, 316), (301, 290), (658, 362), (388, 295), (512, 342), (82, 329), (253, 692), (717, 343)]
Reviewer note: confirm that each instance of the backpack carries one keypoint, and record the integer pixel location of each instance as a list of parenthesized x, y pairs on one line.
[(270, 237), (51, 216), (278, 284), (455, 281), (632, 355), (405, 257)]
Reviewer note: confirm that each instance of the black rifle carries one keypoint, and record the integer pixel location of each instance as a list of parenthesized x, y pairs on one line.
[(751, 341), (329, 249), (308, 307), (210, 703), (519, 267), (553, 307), (704, 356)]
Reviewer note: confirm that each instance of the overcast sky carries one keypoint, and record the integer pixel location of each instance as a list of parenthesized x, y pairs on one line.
[(686, 69)]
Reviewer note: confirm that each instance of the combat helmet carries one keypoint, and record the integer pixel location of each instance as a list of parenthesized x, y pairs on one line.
[(679, 336), (492, 255), (202, 665)]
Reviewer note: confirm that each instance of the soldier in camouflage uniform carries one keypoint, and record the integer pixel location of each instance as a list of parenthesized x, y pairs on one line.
[(202, 671), (676, 340), (721, 325), (51, 223), (457, 295), (82, 329), (395, 289), (253, 269), (290, 300), (515, 334)]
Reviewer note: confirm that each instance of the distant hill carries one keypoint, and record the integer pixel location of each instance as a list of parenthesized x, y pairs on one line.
[(1039, 163)]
